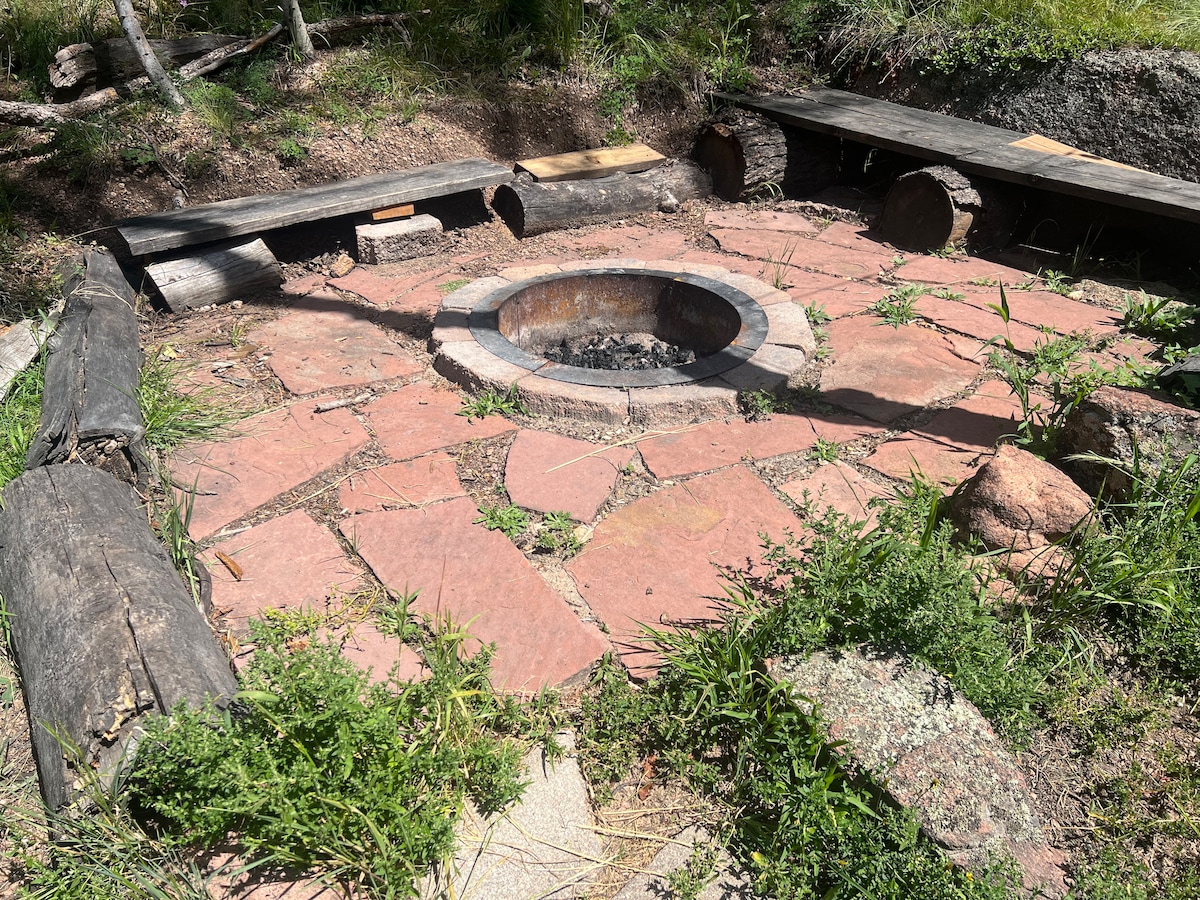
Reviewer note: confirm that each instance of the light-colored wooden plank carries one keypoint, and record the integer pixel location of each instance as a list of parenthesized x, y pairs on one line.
[(592, 163), (1046, 145), (263, 212), (20, 344), (402, 211)]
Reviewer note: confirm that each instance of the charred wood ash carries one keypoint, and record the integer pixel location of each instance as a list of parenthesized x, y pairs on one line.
[(624, 352)]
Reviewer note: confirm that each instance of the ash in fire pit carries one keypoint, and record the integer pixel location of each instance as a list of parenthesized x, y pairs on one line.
[(624, 352)]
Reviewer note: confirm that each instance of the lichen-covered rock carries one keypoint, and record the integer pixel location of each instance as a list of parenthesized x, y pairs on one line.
[(933, 752), (1112, 422), (1022, 504)]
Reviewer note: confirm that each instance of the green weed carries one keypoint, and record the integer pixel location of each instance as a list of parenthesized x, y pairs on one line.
[(172, 519), (780, 265), (172, 417), (760, 405), (1163, 318), (815, 312), (557, 534), (947, 294), (511, 520), (323, 770), (1059, 282), (493, 403), (898, 307), (825, 451), (453, 285), (19, 415)]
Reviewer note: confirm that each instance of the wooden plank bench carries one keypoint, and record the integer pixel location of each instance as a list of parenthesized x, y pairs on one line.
[(977, 149), (263, 212)]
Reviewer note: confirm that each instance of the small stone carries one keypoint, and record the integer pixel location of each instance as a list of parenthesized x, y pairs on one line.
[(341, 266), (236, 304)]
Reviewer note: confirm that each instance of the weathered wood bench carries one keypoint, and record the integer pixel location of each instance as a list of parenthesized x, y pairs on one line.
[(263, 212), (1010, 156)]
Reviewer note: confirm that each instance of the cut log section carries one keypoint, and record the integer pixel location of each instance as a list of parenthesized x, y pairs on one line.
[(530, 207), (938, 206), (216, 275), (90, 410), (104, 631), (749, 155), (592, 163)]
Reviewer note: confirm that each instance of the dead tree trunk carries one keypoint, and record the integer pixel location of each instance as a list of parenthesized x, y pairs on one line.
[(141, 48), (90, 410), (103, 63), (530, 207), (749, 155), (938, 206), (104, 631), (298, 30)]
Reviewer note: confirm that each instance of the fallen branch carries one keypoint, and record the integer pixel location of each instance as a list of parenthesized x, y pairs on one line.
[(40, 115)]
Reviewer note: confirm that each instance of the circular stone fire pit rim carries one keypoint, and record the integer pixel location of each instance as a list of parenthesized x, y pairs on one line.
[(483, 322)]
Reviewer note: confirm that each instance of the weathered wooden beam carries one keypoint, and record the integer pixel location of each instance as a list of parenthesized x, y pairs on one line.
[(90, 410), (263, 212), (215, 274), (530, 207), (104, 631)]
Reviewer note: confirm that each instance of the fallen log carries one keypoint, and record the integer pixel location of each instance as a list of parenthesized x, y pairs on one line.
[(215, 275), (104, 63), (103, 629), (749, 155), (530, 207), (90, 410), (43, 114), (938, 206)]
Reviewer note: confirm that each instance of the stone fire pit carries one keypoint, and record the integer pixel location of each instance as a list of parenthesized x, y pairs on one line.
[(741, 333)]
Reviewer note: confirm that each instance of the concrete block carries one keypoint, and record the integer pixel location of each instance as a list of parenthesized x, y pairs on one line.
[(400, 239)]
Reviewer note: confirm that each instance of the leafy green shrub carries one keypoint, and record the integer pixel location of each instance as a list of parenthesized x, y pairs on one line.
[(325, 770)]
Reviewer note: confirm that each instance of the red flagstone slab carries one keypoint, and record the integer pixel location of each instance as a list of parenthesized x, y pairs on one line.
[(655, 561), (857, 237), (485, 584), (936, 270), (978, 322), (423, 300), (839, 487), (717, 444), (306, 284), (380, 655), (419, 418), (760, 219), (316, 349), (934, 461), (975, 423), (1046, 308), (276, 452), (739, 264), (837, 304), (551, 473), (376, 286), (843, 262), (413, 483), (286, 563), (884, 372), (654, 245)]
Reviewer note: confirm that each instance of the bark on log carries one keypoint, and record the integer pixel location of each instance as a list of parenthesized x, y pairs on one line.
[(749, 155), (90, 411), (113, 61), (104, 631), (938, 206), (216, 275), (530, 207)]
